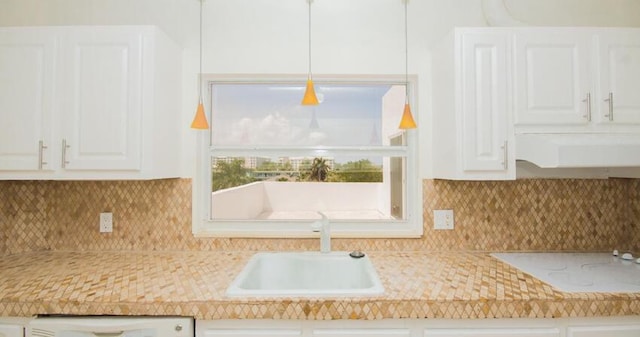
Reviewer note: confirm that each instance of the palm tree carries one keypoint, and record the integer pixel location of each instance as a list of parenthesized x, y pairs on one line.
[(319, 170)]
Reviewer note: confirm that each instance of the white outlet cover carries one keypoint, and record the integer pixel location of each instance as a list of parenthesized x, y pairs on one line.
[(106, 222), (443, 219)]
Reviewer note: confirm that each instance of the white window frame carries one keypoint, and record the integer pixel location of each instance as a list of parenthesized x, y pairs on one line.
[(203, 226)]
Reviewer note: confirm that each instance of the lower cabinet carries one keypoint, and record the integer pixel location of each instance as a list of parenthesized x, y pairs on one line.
[(496, 332), (12, 326), (631, 330), (347, 332), (11, 330), (535, 327)]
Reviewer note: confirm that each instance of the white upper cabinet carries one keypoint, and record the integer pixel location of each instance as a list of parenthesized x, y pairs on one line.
[(27, 67), (576, 80), (471, 106), (619, 76), (89, 103), (101, 109), (490, 84), (484, 102), (552, 77)]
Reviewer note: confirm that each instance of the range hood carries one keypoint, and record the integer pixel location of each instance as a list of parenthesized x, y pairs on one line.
[(593, 150)]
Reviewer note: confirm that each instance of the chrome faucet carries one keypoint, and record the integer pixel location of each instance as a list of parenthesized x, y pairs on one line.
[(324, 228)]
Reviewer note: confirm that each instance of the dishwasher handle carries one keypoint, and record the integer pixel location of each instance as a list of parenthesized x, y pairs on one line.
[(108, 333)]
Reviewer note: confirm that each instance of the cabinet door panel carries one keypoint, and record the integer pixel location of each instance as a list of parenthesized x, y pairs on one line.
[(252, 332), (103, 111), (604, 331), (361, 333), (10, 330), (620, 76), (484, 111), (552, 78), (26, 93), (507, 332)]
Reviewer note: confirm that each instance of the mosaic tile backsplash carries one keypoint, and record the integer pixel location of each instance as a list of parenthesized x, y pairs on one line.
[(521, 215)]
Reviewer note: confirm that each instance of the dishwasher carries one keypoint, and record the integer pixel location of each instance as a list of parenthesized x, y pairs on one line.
[(110, 326)]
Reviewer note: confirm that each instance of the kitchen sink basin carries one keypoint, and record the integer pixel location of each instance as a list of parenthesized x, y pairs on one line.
[(306, 274)]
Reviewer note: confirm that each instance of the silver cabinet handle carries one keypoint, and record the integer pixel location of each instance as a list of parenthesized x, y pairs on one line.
[(610, 100), (505, 155), (41, 148), (588, 101), (65, 146)]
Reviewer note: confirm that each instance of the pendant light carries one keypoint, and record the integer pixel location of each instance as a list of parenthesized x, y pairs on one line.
[(407, 121), (310, 97), (200, 119)]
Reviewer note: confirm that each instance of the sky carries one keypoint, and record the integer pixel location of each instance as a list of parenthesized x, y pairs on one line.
[(268, 114)]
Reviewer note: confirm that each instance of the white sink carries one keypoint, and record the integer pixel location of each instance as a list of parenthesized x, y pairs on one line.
[(306, 274)]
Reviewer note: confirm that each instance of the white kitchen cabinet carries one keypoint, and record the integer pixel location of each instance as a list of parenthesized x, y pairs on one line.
[(619, 75), (251, 328), (11, 330), (110, 105), (495, 332), (363, 332), (552, 77), (101, 106), (576, 80), (471, 106), (13, 326), (27, 58), (252, 333), (608, 331), (506, 327)]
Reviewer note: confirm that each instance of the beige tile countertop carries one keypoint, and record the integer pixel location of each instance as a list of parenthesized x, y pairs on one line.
[(417, 285)]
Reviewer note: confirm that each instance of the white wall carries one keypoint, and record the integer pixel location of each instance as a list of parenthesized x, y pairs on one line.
[(270, 36)]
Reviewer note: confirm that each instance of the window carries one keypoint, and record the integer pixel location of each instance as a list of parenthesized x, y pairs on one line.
[(269, 164)]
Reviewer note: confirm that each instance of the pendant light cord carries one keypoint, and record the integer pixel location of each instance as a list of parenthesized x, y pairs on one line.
[(406, 54), (309, 1), (200, 69)]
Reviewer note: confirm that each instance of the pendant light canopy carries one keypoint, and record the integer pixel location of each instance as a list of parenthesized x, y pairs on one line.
[(310, 97), (407, 121), (200, 119)]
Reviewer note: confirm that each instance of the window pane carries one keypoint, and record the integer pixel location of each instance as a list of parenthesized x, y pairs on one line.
[(265, 114), (259, 188)]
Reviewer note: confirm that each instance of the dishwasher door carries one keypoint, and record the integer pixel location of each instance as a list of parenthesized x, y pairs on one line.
[(109, 326), (11, 330)]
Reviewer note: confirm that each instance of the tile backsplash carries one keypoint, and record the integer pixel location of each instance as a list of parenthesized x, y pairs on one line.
[(530, 214)]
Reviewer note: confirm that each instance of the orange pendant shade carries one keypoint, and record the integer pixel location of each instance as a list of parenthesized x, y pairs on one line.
[(407, 121), (200, 120), (310, 97)]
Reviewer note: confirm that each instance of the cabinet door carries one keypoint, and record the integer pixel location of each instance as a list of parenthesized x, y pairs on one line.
[(26, 94), (257, 332), (604, 331), (484, 102), (506, 332), (552, 77), (11, 330), (361, 332), (619, 55), (102, 109)]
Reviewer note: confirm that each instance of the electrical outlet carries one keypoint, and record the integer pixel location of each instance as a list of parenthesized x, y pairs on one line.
[(443, 219), (106, 222)]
